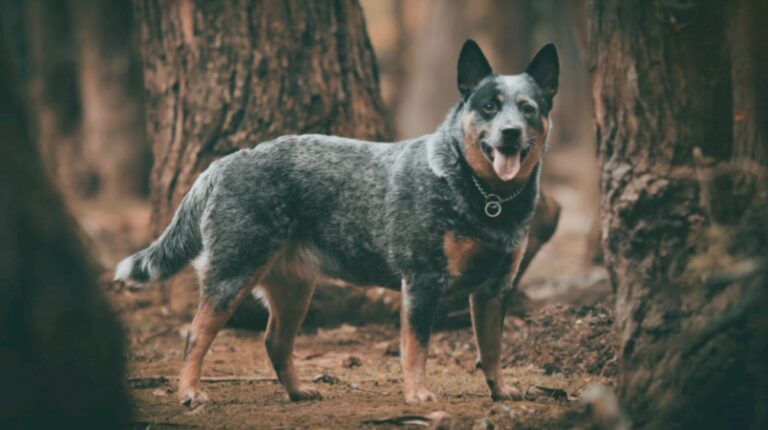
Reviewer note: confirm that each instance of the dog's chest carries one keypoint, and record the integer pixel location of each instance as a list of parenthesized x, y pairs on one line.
[(472, 265)]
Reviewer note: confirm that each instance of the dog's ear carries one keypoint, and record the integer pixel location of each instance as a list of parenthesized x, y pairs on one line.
[(545, 69), (472, 68)]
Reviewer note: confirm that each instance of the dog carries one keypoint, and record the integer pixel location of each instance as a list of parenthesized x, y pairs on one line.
[(443, 214)]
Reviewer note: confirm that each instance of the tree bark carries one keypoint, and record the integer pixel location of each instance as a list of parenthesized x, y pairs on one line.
[(683, 243), (115, 146), (60, 345), (226, 76), (221, 76)]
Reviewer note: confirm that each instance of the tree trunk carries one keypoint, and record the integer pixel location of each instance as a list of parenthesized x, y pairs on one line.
[(51, 63), (115, 146), (430, 88), (682, 241), (221, 76), (60, 345)]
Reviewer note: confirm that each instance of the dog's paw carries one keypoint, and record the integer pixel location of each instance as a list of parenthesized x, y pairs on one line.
[(303, 394), (506, 393), (419, 395), (193, 398)]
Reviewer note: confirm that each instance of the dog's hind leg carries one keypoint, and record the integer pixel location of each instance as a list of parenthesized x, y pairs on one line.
[(288, 298), (227, 275), (213, 311)]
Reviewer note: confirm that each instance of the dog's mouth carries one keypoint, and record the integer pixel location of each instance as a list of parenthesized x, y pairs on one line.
[(506, 163)]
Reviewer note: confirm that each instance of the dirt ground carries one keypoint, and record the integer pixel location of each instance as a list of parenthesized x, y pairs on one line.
[(562, 345)]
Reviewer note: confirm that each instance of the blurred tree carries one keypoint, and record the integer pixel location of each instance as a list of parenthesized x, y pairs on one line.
[(46, 49), (221, 76), (430, 85), (680, 93), (60, 345), (114, 143), (80, 62), (511, 26)]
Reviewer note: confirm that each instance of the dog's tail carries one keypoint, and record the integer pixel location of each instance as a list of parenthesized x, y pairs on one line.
[(180, 242)]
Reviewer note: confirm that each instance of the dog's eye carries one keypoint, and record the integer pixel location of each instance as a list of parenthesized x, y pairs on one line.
[(489, 108), (528, 109)]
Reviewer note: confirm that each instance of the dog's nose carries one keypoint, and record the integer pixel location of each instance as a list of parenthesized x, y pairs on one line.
[(511, 134)]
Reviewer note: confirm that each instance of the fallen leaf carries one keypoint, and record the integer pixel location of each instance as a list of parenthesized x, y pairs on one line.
[(326, 379), (538, 391), (498, 417), (351, 361)]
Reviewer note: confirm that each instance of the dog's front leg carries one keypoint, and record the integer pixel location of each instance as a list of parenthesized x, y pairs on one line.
[(488, 323), (419, 303)]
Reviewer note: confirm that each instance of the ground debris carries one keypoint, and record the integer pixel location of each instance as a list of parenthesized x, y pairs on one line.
[(351, 362), (325, 378), (537, 391), (393, 349), (497, 418), (240, 379), (147, 382), (553, 340), (435, 420)]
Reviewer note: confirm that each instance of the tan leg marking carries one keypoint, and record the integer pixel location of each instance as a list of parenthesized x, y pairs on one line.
[(414, 361), (289, 297), (459, 252), (206, 324), (488, 323)]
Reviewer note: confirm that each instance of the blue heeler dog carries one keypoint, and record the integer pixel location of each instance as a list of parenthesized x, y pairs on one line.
[(446, 213)]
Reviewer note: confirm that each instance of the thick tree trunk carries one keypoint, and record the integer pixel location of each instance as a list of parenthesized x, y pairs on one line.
[(221, 76), (60, 346), (683, 243), (115, 146)]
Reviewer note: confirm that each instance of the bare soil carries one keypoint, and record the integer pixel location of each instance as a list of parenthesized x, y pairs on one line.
[(561, 347)]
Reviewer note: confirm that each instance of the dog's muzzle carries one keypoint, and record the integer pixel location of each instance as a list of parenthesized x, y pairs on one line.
[(506, 158)]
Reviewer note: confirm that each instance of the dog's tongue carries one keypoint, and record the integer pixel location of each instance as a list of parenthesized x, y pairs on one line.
[(506, 166)]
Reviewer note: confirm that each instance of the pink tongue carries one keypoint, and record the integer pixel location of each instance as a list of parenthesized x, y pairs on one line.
[(506, 166)]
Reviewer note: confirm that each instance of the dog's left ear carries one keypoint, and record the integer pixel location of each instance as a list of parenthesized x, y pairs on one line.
[(472, 68), (545, 69)]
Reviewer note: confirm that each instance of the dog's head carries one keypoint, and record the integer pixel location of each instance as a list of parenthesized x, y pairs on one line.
[(505, 117)]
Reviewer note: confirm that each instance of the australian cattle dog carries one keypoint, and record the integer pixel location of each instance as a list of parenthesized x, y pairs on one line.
[(443, 214)]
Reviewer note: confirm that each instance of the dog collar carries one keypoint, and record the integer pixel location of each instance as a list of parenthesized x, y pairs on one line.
[(494, 202)]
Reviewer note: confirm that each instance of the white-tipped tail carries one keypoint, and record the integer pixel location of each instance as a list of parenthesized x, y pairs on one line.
[(124, 269), (180, 242)]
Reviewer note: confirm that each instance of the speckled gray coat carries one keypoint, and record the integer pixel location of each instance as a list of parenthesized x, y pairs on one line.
[(367, 213)]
